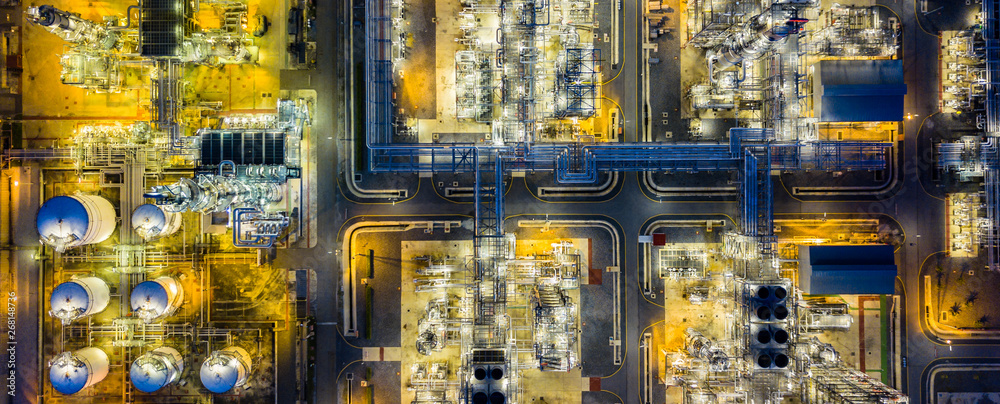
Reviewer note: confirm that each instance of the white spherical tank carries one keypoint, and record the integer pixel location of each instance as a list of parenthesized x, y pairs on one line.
[(223, 370), (157, 298), (157, 368), (150, 222), (65, 222), (71, 372), (79, 298)]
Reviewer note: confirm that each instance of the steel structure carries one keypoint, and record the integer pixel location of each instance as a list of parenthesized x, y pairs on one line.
[(989, 233), (488, 341), (853, 31), (991, 34), (836, 383), (378, 72)]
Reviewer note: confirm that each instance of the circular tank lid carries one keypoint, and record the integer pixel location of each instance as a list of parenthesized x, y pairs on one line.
[(62, 217), (764, 361), (148, 220), (780, 312), (69, 299), (497, 398), (219, 374), (68, 375), (781, 360), (149, 296), (148, 374)]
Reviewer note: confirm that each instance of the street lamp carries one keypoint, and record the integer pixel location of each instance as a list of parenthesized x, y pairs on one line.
[(948, 341)]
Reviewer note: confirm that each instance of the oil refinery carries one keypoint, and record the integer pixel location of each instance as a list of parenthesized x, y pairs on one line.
[(501, 201)]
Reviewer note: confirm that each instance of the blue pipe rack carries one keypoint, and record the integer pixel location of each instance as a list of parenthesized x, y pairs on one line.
[(752, 152)]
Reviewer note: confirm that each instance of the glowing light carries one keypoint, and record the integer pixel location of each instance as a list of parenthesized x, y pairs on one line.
[(15, 183)]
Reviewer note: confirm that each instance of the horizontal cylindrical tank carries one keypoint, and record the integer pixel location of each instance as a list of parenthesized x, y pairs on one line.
[(223, 370), (64, 222), (150, 222), (157, 298), (78, 298), (71, 372), (157, 368)]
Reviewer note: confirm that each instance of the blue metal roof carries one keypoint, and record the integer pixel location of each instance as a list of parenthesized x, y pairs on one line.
[(68, 376), (859, 91), (219, 373), (61, 217), (852, 270), (149, 295), (148, 374)]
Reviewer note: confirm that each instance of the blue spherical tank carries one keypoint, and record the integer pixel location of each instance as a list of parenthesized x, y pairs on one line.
[(150, 221), (69, 221), (71, 372), (223, 370), (152, 371), (78, 298), (156, 298)]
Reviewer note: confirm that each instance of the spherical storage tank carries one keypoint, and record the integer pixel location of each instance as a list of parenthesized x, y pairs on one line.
[(65, 222), (157, 298), (71, 372), (150, 222), (223, 370), (78, 298), (155, 369)]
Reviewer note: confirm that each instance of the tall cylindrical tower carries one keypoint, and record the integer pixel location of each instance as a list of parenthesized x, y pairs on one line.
[(157, 298), (157, 368), (150, 222), (223, 370), (79, 298), (65, 222), (71, 372)]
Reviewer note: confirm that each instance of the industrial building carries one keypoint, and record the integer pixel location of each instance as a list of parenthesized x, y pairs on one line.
[(500, 201)]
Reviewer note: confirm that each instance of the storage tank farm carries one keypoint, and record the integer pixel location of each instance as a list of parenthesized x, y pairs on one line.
[(151, 222), (158, 298), (65, 222), (79, 298), (71, 372), (156, 369), (223, 370)]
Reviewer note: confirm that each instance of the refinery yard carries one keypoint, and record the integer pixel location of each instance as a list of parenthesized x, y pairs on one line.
[(501, 201)]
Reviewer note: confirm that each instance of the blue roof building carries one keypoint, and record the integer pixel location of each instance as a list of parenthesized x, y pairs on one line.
[(847, 269), (858, 90)]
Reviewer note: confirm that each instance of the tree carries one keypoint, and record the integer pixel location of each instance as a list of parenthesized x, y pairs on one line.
[(983, 321), (956, 308), (971, 298)]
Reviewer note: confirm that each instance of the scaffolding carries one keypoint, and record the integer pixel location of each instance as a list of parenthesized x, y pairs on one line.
[(854, 31), (991, 35), (577, 83), (837, 383)]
